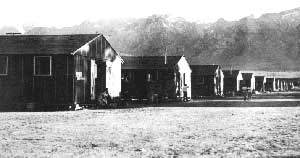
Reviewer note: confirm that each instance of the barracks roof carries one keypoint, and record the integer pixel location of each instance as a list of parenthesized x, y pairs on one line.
[(231, 73), (204, 69), (43, 44), (247, 75), (149, 62)]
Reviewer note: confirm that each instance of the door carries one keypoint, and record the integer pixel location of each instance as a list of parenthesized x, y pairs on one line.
[(100, 81)]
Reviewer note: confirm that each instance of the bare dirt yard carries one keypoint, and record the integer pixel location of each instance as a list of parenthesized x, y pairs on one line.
[(153, 132)]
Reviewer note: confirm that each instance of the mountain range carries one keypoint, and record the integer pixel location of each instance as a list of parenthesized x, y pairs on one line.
[(270, 42)]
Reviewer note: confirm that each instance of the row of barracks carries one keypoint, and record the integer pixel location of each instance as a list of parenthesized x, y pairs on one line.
[(75, 69)]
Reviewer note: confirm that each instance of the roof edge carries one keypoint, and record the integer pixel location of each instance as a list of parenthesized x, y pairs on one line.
[(52, 34), (74, 52)]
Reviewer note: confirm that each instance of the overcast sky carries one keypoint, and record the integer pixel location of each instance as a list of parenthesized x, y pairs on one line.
[(61, 13)]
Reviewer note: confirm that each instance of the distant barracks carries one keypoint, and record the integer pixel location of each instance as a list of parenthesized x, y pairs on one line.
[(55, 72)]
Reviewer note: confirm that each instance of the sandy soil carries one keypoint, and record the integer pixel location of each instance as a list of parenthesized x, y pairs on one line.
[(153, 132)]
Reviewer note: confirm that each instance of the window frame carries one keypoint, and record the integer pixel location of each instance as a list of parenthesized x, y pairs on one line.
[(34, 62), (6, 68)]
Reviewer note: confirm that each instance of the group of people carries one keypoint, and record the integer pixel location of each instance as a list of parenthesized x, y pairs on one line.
[(247, 95), (105, 100)]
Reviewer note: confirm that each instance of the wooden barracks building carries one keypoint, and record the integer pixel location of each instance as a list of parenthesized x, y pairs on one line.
[(232, 79), (57, 69), (207, 80), (162, 76)]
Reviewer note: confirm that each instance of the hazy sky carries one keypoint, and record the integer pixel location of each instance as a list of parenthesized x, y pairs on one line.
[(60, 13)]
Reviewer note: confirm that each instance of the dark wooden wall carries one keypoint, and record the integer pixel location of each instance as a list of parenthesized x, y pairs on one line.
[(245, 83), (259, 84), (138, 86), (21, 85), (200, 88), (230, 85), (269, 84), (11, 86)]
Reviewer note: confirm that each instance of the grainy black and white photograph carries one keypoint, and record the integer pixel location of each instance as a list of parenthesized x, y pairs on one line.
[(149, 78)]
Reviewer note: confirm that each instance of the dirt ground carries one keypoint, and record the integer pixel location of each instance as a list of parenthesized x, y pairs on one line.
[(153, 132)]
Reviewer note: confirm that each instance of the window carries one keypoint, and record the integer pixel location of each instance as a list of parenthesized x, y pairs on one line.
[(42, 65), (3, 65), (199, 80)]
